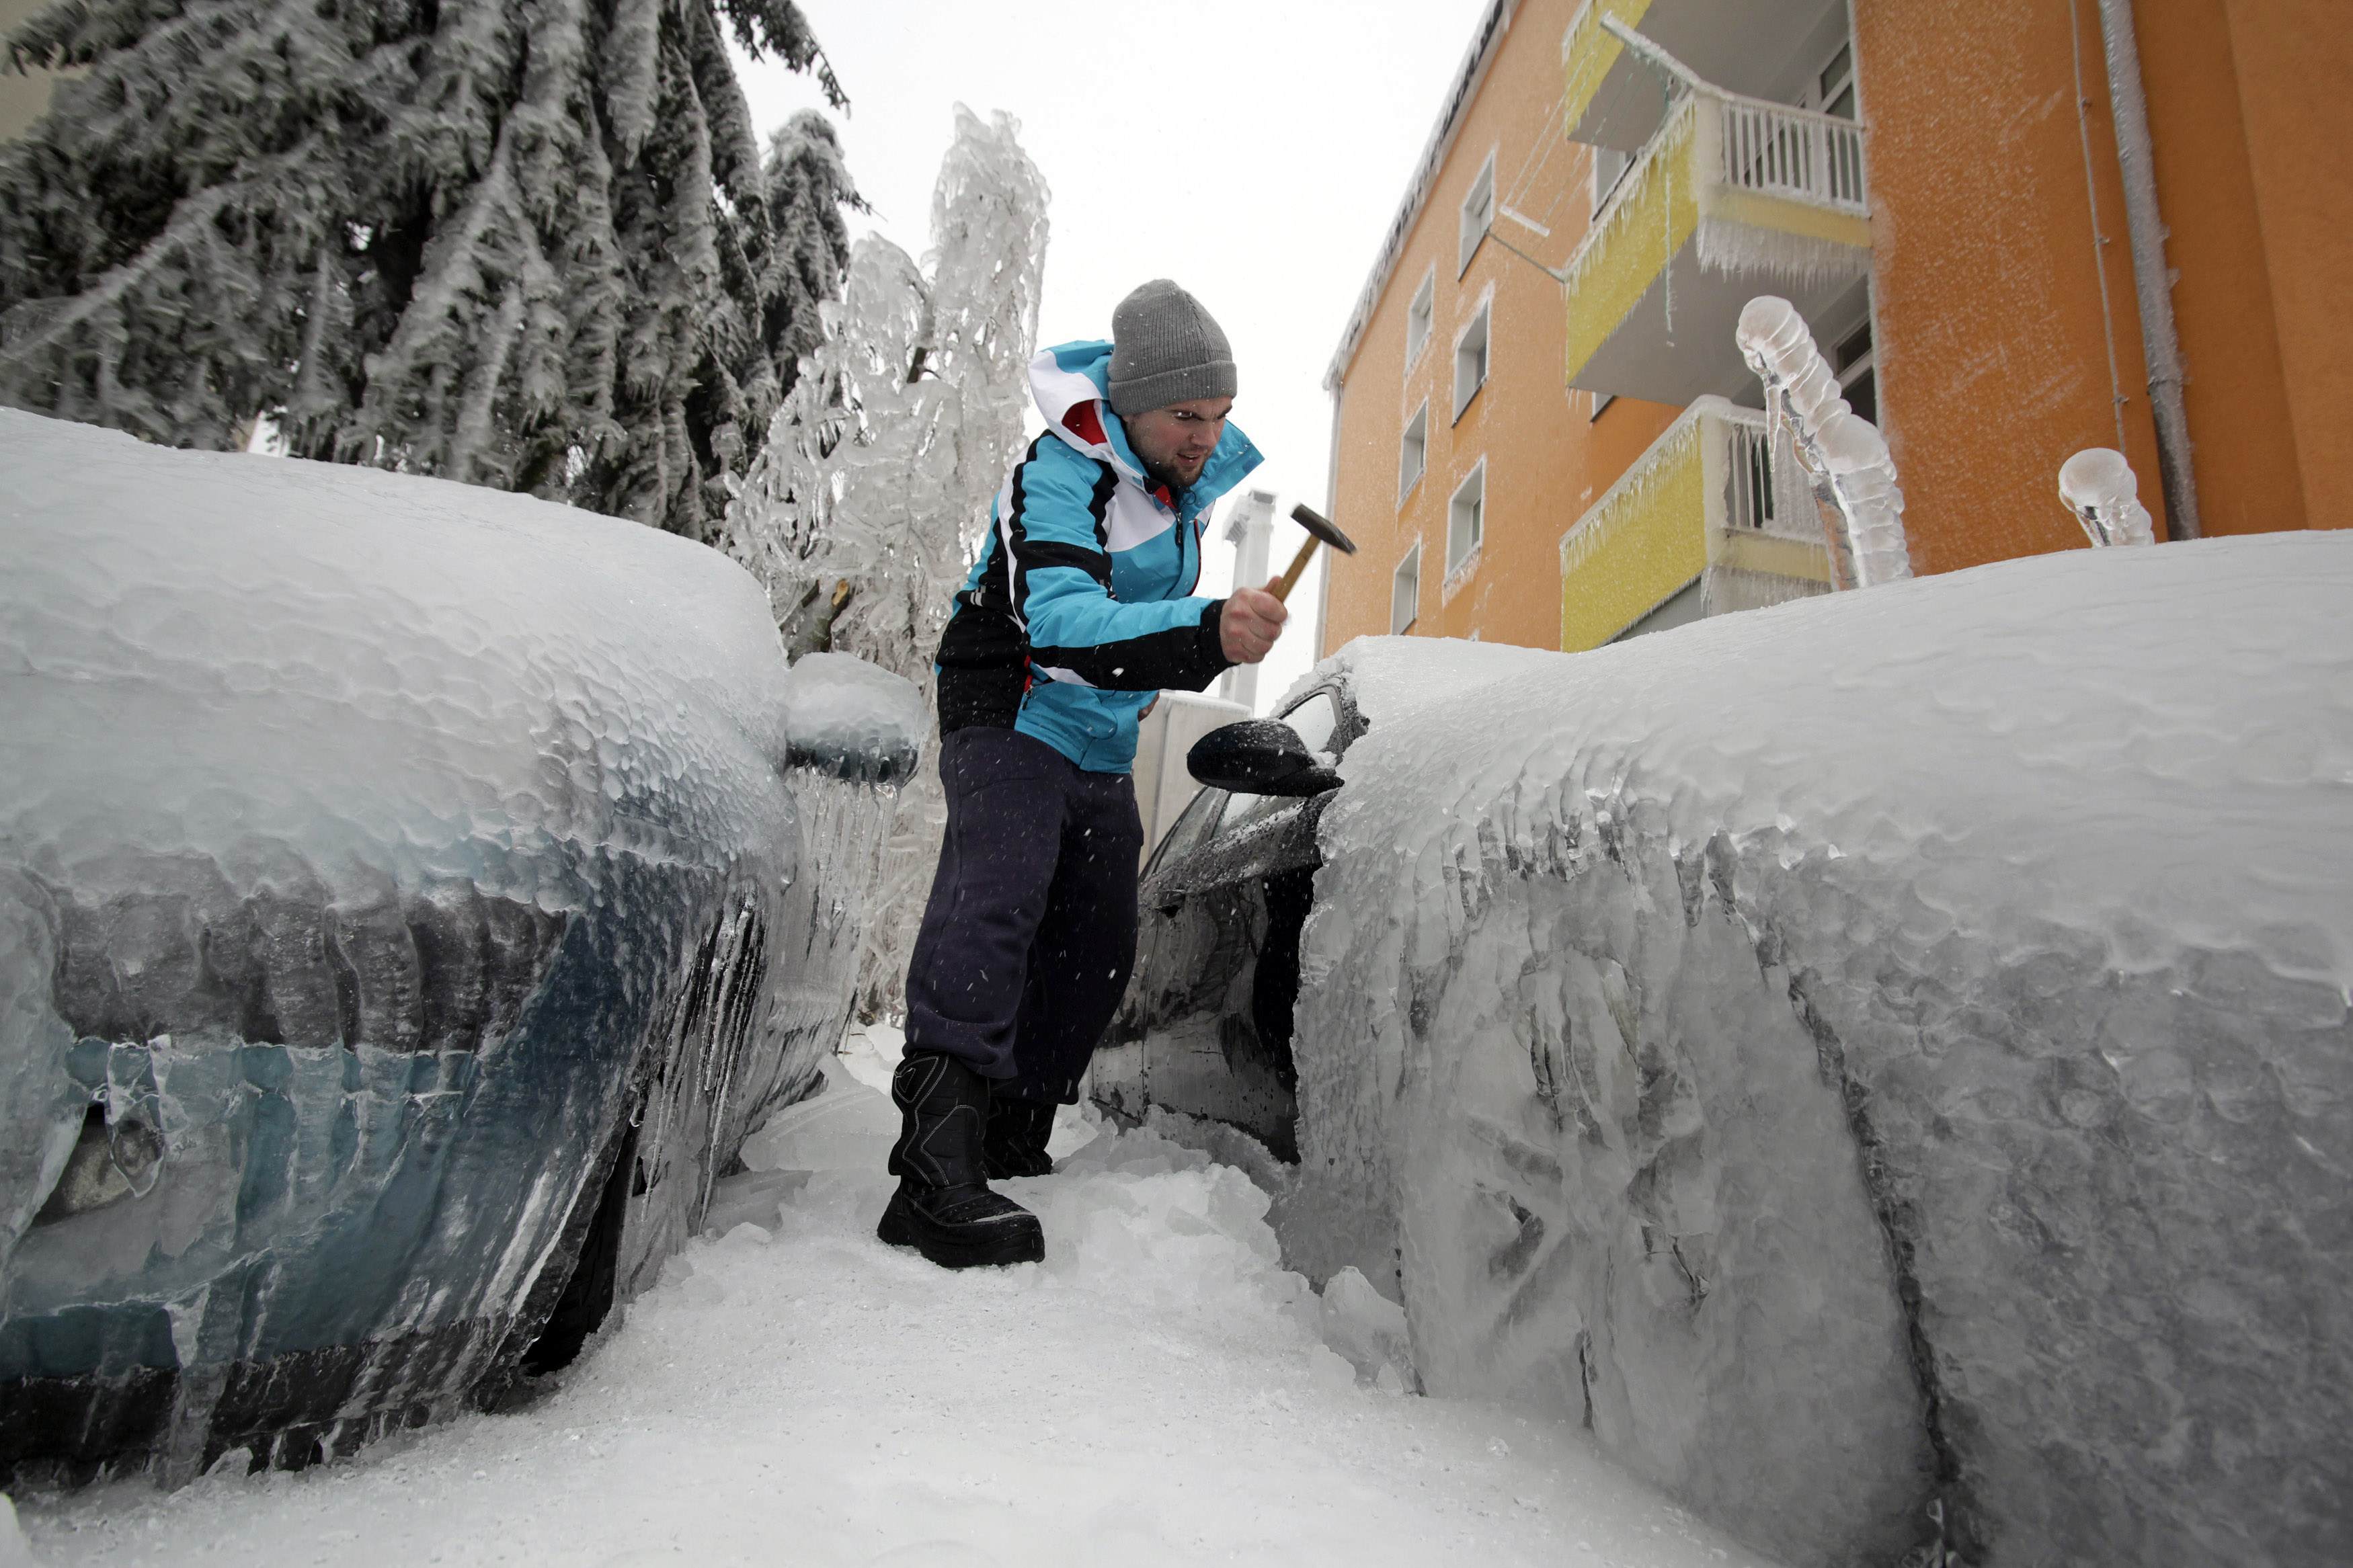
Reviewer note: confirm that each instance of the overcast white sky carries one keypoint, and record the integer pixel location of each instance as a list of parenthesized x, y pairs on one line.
[(1252, 149)]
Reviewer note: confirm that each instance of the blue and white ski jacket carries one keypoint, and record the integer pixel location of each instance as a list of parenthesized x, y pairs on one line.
[(1078, 611)]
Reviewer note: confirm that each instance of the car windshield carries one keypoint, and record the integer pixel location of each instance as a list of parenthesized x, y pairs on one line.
[(1193, 824)]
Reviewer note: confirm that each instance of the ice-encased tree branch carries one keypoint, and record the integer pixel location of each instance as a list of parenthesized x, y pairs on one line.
[(529, 244), (1843, 459), (867, 503), (2101, 488)]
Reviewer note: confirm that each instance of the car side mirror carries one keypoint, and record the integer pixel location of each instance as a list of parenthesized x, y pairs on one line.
[(1259, 756)]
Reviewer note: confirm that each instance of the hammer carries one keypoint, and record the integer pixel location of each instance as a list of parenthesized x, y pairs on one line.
[(1319, 532)]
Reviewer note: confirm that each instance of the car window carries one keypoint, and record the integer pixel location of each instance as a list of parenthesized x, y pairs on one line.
[(1193, 825), (1249, 808), (1313, 719)]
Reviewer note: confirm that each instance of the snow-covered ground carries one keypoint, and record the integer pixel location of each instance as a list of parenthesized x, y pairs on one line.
[(1156, 1391)]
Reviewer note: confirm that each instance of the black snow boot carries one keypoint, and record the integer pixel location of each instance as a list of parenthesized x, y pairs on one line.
[(1014, 1143), (943, 1208)]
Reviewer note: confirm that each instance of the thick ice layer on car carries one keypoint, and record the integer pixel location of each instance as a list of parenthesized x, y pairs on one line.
[(387, 867), (1879, 1052), (848, 715)]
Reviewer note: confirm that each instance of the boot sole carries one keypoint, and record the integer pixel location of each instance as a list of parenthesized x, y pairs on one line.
[(1015, 1241)]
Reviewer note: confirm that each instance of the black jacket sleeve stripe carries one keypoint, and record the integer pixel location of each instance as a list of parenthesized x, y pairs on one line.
[(1186, 658), (1037, 554)]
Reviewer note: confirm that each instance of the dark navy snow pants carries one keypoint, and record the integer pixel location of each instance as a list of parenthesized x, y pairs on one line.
[(1028, 941)]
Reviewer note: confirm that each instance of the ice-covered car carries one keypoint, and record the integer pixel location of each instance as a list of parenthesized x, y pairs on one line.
[(1205, 1028), (1881, 1063), (410, 895)]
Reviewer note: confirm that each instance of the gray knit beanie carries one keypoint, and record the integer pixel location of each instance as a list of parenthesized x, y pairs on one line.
[(1165, 348)]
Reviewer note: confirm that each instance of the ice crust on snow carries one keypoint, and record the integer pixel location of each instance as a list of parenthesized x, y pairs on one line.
[(372, 851), (1880, 1050), (1155, 1392)]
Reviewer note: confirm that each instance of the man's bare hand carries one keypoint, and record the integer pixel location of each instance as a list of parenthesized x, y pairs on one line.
[(1251, 621)]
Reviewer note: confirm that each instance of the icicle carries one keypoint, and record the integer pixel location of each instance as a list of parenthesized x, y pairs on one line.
[(2100, 488), (1804, 260), (1844, 460)]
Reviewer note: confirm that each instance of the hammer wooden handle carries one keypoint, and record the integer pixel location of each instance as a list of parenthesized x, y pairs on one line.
[(1281, 590)]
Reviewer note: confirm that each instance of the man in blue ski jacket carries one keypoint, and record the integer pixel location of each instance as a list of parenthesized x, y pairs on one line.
[(1078, 613)]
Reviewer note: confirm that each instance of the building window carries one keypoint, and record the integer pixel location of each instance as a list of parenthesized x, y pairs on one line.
[(1405, 591), (1418, 317), (1413, 453), (1833, 85), (1610, 166), (1478, 213), (1471, 359), (1601, 400), (1465, 519), (1855, 367)]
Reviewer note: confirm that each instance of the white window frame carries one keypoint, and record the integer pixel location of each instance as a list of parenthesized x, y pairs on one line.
[(1467, 237), (1457, 559), (1601, 188), (1421, 311), (1415, 446), (1482, 322), (1409, 563), (1835, 76)]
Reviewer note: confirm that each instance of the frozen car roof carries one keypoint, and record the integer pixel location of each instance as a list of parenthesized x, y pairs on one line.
[(1392, 675)]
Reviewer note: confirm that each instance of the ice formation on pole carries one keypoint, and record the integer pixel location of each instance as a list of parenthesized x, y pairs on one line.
[(863, 512), (2099, 487), (1824, 450)]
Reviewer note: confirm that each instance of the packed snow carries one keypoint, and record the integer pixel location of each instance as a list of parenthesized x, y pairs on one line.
[(1156, 1391), (1877, 1061)]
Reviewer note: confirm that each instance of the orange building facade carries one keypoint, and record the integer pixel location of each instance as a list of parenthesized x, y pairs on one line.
[(1544, 432)]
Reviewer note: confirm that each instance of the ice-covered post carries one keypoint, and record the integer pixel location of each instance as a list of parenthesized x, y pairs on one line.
[(2100, 488), (1844, 461)]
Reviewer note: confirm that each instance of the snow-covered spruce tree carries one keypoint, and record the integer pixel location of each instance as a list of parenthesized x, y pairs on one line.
[(523, 243), (867, 504)]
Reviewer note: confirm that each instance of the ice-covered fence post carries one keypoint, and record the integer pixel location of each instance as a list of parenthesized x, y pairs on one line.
[(1843, 462), (2100, 488)]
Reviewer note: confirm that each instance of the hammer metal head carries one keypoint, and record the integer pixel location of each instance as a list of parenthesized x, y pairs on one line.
[(1320, 526)]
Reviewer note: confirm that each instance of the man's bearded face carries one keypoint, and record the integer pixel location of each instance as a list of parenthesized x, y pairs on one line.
[(1173, 443)]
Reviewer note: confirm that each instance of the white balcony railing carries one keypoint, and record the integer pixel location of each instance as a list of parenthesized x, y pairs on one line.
[(1777, 151)]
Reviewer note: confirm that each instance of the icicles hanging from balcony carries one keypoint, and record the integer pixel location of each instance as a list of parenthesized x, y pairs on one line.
[(2100, 488), (1824, 454)]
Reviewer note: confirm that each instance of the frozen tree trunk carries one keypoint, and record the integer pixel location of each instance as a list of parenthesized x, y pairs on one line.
[(868, 505)]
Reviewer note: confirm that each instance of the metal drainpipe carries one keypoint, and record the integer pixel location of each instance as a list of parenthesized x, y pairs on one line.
[(2151, 280)]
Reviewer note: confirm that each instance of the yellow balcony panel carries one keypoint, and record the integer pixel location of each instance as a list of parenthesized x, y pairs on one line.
[(1732, 199), (1695, 507), (1771, 51)]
